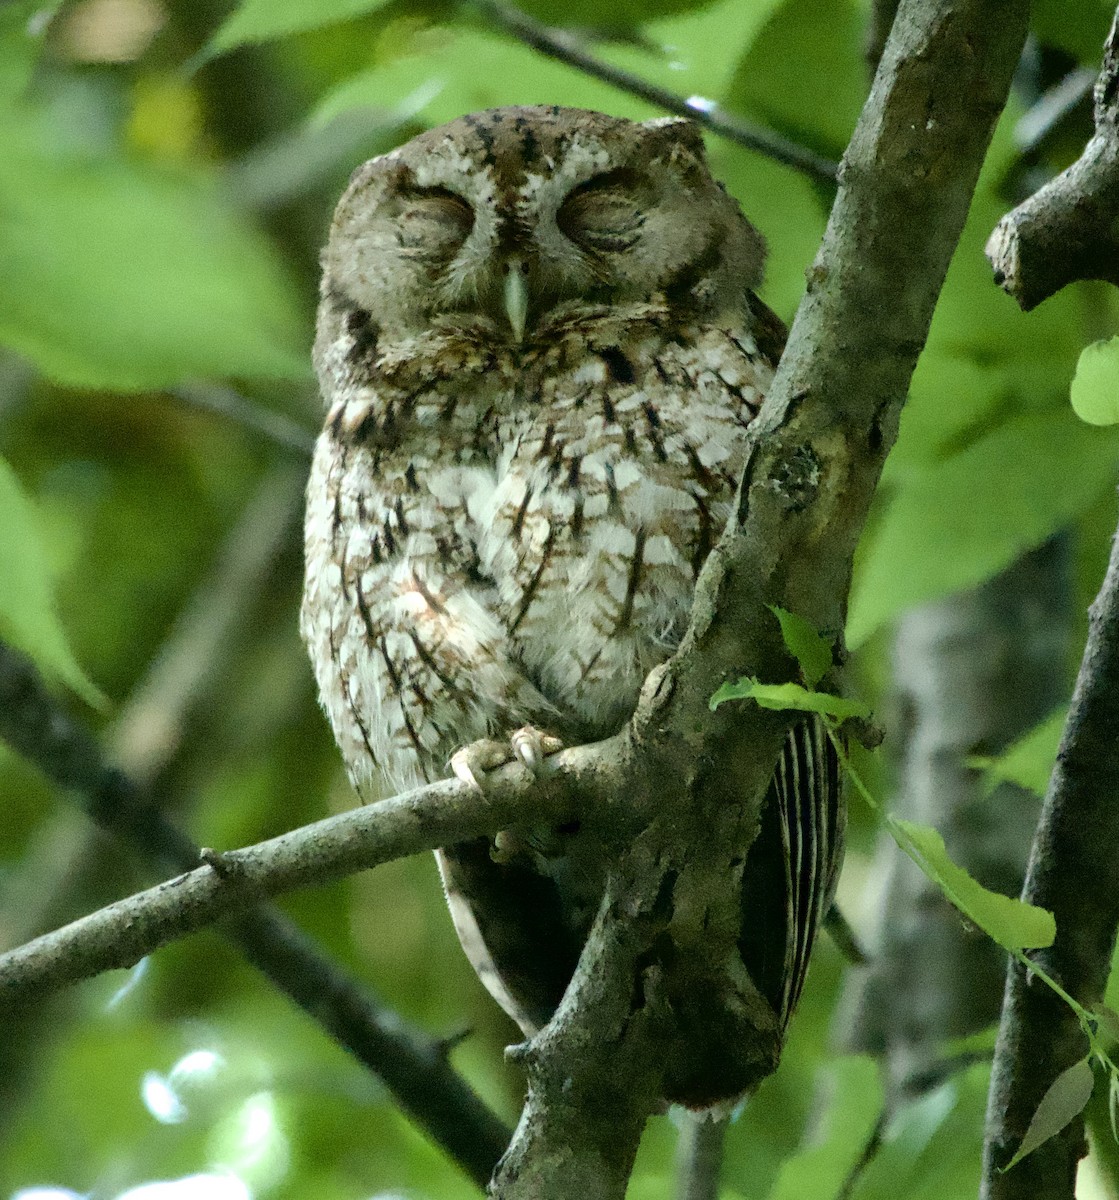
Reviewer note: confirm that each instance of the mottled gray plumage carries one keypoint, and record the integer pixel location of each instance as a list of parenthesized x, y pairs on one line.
[(539, 348)]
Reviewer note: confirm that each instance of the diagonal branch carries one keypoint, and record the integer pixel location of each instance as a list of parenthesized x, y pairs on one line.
[(567, 48), (1068, 230), (232, 884), (412, 1065)]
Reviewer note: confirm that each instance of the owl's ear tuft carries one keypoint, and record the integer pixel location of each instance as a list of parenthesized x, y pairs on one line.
[(678, 135)]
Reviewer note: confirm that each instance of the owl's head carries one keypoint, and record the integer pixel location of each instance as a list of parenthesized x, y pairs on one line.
[(514, 213)]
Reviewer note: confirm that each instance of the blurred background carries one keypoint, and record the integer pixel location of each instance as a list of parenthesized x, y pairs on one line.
[(167, 173)]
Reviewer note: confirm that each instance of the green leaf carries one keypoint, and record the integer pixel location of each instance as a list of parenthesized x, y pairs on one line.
[(27, 615), (119, 275), (961, 520), (22, 26), (812, 650), (783, 696), (1078, 28), (1095, 386), (262, 20), (820, 1170), (1108, 1020), (1014, 924), (817, 93), (1065, 1099), (449, 70), (1028, 762), (932, 1146)]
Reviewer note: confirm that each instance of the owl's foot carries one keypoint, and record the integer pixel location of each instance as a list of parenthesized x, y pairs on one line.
[(527, 745)]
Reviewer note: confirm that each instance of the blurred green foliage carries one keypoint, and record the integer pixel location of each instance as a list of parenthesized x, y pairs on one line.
[(168, 172)]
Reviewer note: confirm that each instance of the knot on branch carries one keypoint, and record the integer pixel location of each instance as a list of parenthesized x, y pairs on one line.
[(795, 480)]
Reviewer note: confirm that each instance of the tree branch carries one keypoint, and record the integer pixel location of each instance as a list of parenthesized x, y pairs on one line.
[(1068, 230), (817, 452), (412, 1065), (230, 884), (1071, 873), (699, 1165), (691, 783), (566, 48), (266, 423)]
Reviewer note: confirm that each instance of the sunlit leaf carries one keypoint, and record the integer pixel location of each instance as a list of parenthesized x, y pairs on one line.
[(1095, 386), (783, 696), (1065, 1099), (261, 20), (118, 275), (1028, 762), (1012, 923), (812, 650), (960, 521), (27, 614)]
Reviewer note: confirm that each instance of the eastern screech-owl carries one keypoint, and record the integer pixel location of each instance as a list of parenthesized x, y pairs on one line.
[(540, 349)]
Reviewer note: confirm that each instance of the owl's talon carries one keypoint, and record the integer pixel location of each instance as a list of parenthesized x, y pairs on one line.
[(527, 746), (472, 763), (530, 747)]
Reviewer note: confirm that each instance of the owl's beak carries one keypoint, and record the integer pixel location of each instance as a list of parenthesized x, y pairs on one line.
[(516, 296)]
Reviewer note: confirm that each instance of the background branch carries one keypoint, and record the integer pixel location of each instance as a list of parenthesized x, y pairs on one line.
[(567, 48), (412, 1065), (1068, 231)]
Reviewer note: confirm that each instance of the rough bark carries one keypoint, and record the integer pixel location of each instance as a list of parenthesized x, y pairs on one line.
[(820, 442)]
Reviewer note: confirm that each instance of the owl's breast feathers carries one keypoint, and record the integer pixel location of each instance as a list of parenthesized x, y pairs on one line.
[(515, 532)]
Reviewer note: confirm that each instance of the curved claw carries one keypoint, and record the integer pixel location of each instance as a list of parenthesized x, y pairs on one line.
[(471, 763), (526, 745), (531, 746)]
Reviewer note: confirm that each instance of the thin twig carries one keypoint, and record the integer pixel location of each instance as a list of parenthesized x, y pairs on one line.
[(1047, 114), (275, 427), (413, 1065), (567, 48), (192, 665), (122, 933)]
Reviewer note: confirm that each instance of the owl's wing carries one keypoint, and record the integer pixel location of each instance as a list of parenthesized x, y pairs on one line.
[(514, 928), (793, 865)]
